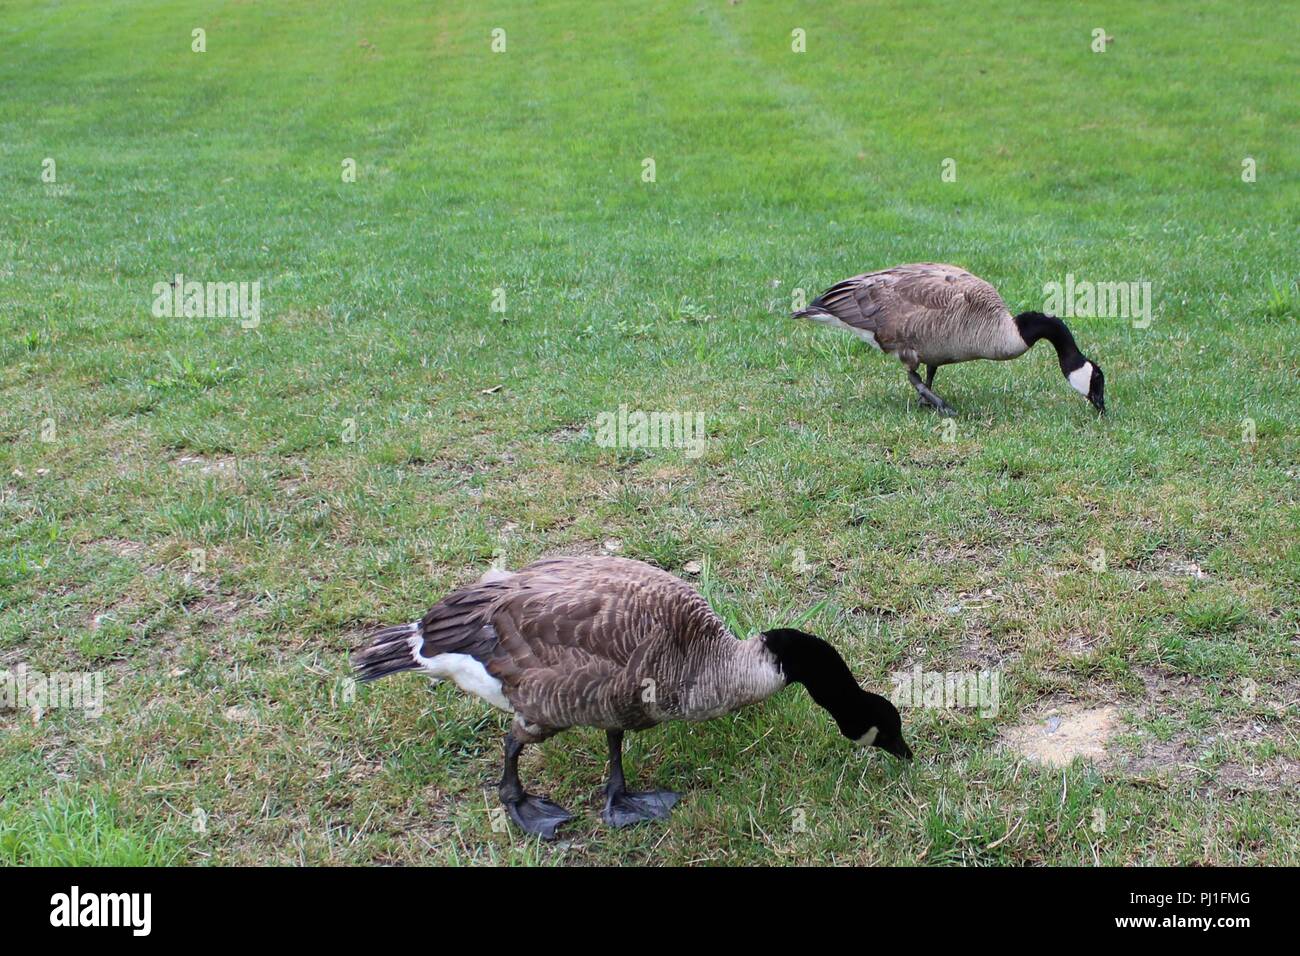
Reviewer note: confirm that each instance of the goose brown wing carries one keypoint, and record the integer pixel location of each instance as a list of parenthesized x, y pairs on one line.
[(577, 636), (900, 305)]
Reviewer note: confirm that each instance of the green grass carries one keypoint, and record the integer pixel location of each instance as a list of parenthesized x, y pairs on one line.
[(472, 429)]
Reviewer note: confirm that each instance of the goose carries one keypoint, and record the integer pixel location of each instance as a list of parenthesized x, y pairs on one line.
[(619, 645), (936, 314)]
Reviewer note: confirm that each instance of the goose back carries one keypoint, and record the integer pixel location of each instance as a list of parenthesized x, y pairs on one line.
[(929, 312), (601, 642)]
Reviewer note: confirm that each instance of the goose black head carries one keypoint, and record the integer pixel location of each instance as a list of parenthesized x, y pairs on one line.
[(1085, 378), (1083, 374), (865, 718)]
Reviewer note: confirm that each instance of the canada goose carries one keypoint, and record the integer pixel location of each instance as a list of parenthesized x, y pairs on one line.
[(939, 315), (616, 644)]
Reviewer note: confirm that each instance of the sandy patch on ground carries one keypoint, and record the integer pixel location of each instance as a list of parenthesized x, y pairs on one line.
[(1237, 748), (221, 465), (1064, 733)]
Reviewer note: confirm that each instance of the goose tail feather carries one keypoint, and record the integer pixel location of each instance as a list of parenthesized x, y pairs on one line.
[(390, 651)]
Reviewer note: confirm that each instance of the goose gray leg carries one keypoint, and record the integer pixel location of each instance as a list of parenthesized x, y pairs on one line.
[(533, 814), (622, 807), (928, 397), (929, 374)]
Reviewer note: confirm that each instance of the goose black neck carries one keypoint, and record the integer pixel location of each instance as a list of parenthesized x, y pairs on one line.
[(1035, 325), (808, 660)]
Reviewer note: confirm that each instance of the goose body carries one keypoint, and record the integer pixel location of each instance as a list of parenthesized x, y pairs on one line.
[(935, 314), (615, 644), (594, 642)]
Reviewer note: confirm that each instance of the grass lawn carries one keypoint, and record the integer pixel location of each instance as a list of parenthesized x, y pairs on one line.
[(213, 516)]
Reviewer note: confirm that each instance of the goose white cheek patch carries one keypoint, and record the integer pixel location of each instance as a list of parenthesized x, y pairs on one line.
[(869, 738), (1081, 378)]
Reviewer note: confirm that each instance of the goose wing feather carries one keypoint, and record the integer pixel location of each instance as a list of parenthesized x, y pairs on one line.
[(581, 640), (912, 306)]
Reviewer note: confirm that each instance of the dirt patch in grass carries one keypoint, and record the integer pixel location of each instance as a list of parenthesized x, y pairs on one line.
[(206, 465), (121, 547), (1238, 751), (1065, 733), (1274, 773), (1170, 566), (570, 433), (961, 553), (222, 606), (580, 548), (1185, 735), (968, 601), (1080, 644), (941, 456), (979, 651)]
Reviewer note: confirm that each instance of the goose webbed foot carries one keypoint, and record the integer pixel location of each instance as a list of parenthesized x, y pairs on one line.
[(624, 808), (532, 814), (927, 396), (537, 815), (942, 407)]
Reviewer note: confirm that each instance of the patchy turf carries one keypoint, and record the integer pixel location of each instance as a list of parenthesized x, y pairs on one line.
[(212, 516)]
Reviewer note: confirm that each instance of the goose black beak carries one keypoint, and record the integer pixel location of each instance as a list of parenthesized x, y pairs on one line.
[(900, 749), (1097, 390)]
